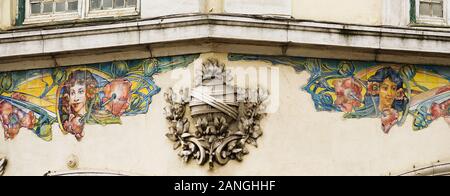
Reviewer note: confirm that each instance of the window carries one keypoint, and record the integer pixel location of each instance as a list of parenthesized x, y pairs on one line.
[(40, 11), (112, 4), (111, 8), (53, 6), (431, 11)]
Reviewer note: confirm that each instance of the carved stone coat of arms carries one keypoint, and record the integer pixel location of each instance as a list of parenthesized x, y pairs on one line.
[(224, 118)]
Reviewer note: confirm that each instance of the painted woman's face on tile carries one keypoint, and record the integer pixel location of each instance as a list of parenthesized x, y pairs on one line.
[(77, 99), (388, 92)]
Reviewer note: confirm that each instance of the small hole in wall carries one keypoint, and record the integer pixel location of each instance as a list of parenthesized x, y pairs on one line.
[(72, 162)]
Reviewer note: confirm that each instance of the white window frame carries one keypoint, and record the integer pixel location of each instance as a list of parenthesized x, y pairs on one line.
[(129, 11), (432, 20), (51, 17), (83, 12)]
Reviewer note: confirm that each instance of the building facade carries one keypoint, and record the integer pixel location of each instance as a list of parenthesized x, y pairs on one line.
[(224, 87)]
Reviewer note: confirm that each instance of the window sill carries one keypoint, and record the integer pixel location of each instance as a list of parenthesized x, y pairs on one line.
[(428, 25), (432, 22), (112, 13), (50, 24), (37, 19), (92, 16)]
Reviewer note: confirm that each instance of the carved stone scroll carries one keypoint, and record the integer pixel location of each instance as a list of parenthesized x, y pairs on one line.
[(3, 163)]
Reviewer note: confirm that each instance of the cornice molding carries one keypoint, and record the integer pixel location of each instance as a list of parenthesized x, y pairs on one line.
[(286, 36)]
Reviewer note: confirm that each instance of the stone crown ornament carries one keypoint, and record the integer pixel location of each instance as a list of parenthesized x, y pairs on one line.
[(226, 118), (3, 162)]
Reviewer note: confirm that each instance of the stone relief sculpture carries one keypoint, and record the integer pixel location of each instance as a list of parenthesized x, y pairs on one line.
[(223, 118), (3, 162), (372, 90), (76, 96)]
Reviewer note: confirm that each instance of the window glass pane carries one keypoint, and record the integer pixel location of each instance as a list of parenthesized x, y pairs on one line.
[(119, 3), (60, 6), (48, 7), (107, 4), (111, 4), (36, 8), (72, 5), (131, 3), (438, 10), (96, 4), (425, 9)]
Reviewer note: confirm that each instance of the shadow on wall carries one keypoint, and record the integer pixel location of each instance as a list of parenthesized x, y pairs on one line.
[(3, 163), (439, 169)]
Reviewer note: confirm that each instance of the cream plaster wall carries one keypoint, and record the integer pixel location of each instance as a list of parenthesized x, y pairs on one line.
[(214, 6), (7, 13), (297, 140), (396, 13), (270, 7), (367, 12), (156, 8)]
